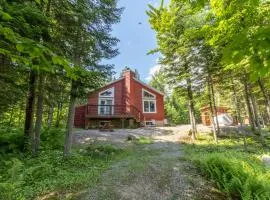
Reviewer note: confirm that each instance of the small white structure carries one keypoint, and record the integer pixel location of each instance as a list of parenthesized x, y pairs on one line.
[(224, 119)]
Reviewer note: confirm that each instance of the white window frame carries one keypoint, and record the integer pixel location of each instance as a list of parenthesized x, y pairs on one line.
[(143, 90), (100, 98), (109, 89), (147, 99)]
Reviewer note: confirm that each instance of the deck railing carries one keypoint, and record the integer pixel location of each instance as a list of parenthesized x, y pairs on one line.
[(113, 111)]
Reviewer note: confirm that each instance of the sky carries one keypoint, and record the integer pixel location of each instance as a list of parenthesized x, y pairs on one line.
[(136, 39)]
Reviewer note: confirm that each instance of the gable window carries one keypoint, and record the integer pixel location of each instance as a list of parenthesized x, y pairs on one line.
[(107, 93), (149, 102)]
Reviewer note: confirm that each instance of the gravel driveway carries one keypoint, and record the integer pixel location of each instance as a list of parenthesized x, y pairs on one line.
[(156, 171), (171, 134)]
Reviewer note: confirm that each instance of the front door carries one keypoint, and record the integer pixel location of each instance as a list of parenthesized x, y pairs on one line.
[(105, 107)]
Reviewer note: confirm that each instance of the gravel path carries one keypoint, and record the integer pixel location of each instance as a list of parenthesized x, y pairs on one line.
[(156, 171), (171, 134)]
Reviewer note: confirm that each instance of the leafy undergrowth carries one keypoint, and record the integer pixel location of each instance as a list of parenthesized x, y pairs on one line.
[(144, 140), (240, 174), (49, 174)]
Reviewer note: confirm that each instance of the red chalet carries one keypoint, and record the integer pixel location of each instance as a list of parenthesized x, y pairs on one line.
[(125, 102)]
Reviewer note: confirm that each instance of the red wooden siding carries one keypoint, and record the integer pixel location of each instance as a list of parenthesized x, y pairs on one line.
[(159, 115), (79, 118)]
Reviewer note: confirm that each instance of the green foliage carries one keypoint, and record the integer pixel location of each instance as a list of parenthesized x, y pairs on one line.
[(11, 140), (52, 138), (144, 140), (29, 178), (101, 150), (241, 175), (176, 108)]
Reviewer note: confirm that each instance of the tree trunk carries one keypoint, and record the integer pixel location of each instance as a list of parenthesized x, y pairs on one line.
[(50, 116), (239, 118), (21, 107), (214, 103), (39, 114), (70, 121), (11, 117), (237, 105), (191, 109), (59, 109), (247, 98), (29, 111), (254, 102), (266, 98), (212, 111), (254, 109)]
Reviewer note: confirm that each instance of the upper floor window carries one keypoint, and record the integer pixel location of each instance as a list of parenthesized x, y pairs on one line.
[(106, 102), (107, 93), (148, 95), (149, 102)]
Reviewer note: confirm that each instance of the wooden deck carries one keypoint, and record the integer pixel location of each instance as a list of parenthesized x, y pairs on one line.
[(127, 116), (113, 112)]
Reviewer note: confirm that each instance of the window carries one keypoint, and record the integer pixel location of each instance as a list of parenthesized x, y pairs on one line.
[(149, 106), (150, 123), (106, 102), (148, 95), (107, 93), (149, 102)]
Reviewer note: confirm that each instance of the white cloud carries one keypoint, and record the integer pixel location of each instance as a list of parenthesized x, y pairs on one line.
[(152, 71)]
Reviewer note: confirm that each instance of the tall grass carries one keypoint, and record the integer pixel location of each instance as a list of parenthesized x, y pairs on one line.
[(240, 174)]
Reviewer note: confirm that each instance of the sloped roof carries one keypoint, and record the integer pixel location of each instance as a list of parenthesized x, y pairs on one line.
[(148, 86)]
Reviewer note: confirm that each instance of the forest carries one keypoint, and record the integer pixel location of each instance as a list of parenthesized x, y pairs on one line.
[(214, 53), (52, 53)]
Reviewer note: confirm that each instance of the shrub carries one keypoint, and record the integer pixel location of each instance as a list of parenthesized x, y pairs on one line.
[(239, 179), (11, 179), (11, 140), (240, 174), (52, 138)]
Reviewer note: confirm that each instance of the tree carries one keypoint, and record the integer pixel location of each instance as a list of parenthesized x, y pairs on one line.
[(88, 43)]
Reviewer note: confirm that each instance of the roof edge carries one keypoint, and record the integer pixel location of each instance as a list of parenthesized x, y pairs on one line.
[(144, 84), (112, 82)]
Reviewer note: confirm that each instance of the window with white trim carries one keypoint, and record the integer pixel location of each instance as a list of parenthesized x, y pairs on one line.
[(107, 93), (106, 102), (149, 102)]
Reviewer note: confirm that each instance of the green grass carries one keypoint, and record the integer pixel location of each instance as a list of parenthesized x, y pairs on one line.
[(240, 174), (25, 177), (144, 140)]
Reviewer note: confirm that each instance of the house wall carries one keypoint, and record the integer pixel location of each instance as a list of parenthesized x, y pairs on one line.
[(79, 118), (159, 115)]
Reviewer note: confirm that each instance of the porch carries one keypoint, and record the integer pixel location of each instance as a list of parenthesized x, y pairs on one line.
[(113, 112), (114, 116)]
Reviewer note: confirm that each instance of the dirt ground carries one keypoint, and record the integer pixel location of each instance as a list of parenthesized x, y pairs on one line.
[(156, 171), (170, 134)]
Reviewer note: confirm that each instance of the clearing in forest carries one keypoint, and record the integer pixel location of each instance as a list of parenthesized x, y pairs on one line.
[(155, 169)]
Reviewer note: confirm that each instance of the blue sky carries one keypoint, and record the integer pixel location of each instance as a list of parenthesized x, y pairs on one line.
[(135, 39)]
